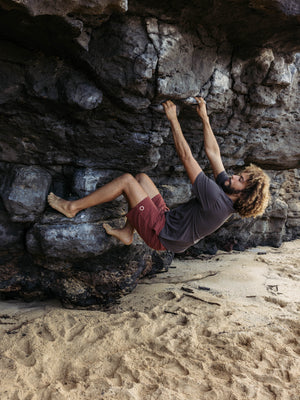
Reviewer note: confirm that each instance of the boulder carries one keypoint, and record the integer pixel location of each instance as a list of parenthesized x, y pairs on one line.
[(64, 7), (25, 192), (11, 234), (81, 91)]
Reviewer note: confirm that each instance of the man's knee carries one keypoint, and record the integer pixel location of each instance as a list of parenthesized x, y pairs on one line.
[(141, 177), (127, 178)]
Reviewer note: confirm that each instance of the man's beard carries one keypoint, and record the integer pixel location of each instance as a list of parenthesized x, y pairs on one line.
[(228, 189)]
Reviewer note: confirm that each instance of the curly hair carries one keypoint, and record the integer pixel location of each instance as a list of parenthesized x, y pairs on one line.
[(254, 198)]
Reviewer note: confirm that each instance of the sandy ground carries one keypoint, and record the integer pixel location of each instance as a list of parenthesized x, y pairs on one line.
[(223, 327)]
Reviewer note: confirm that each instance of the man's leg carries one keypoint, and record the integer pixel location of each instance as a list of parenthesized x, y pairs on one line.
[(125, 184), (147, 184), (125, 234)]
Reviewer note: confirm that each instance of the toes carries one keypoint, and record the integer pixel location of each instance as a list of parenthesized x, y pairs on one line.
[(51, 198), (107, 227)]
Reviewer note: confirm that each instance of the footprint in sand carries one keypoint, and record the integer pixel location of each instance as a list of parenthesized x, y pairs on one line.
[(276, 301), (167, 295), (177, 368), (161, 330), (75, 331), (183, 320), (97, 333), (221, 370), (24, 354), (46, 334), (120, 371)]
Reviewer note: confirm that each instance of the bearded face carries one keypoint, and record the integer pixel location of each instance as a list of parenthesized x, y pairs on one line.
[(228, 189)]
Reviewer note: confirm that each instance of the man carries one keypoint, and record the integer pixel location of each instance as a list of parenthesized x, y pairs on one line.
[(178, 229)]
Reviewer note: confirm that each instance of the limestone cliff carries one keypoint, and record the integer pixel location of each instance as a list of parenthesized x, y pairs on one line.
[(81, 87)]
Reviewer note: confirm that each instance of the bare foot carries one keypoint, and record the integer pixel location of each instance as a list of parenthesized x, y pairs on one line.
[(61, 205), (125, 235)]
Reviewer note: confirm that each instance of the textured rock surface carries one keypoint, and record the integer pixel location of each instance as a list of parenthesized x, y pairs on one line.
[(25, 192), (81, 87)]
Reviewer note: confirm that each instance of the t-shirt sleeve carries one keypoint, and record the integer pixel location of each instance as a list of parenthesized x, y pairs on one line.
[(221, 178), (205, 189)]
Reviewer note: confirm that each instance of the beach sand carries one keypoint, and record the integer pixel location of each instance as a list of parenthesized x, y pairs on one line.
[(221, 327)]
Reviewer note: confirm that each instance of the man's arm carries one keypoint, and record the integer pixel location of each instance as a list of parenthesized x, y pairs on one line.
[(183, 149), (211, 146)]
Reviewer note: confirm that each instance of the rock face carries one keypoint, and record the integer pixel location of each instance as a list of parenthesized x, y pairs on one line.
[(81, 87)]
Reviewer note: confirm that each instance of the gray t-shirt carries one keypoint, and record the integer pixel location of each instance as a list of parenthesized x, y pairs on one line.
[(190, 222)]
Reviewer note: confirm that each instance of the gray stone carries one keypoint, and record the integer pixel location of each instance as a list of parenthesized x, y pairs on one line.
[(123, 58), (172, 81), (279, 209), (11, 82), (25, 193), (220, 93), (48, 79), (42, 78), (257, 69), (65, 7), (82, 93), (280, 73), (175, 193), (263, 96), (11, 234), (145, 64), (88, 180), (67, 240), (135, 103)]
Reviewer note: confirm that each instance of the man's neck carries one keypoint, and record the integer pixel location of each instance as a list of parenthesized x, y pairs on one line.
[(233, 197)]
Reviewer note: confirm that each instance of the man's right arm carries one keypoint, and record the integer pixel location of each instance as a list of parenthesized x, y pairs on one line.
[(183, 149), (211, 146)]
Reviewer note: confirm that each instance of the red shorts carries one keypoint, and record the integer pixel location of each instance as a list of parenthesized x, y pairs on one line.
[(148, 218)]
